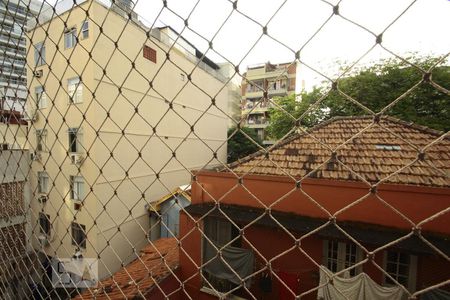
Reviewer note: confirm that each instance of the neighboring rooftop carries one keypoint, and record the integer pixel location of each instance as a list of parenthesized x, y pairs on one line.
[(138, 278), (381, 149)]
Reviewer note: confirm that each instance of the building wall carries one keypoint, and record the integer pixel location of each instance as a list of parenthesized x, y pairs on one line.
[(122, 184), (264, 75), (285, 258), (14, 135), (15, 225), (416, 203)]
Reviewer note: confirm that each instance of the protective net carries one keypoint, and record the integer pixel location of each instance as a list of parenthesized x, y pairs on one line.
[(224, 149)]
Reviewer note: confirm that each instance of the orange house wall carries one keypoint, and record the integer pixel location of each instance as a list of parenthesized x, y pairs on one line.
[(322, 198), (414, 202)]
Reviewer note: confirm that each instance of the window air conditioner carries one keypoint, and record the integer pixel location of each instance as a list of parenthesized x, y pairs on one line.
[(35, 156), (43, 198), (38, 73), (76, 158)]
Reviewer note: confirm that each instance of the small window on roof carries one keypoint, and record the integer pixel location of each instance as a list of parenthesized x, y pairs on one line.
[(388, 147)]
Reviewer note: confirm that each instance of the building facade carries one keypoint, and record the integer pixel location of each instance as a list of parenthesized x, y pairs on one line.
[(116, 111), (261, 83), (16, 254), (14, 15), (286, 211)]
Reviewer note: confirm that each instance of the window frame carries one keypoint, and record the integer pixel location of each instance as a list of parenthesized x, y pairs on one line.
[(44, 224), (76, 188), (79, 235), (340, 260), (75, 145), (39, 54), (73, 38), (75, 90), (232, 232), (85, 29), (41, 97), (412, 269), (41, 140), (43, 182)]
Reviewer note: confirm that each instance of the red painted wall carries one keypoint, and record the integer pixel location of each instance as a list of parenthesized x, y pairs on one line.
[(322, 198)]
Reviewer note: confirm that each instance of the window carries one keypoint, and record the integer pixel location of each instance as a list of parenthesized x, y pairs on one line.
[(85, 30), (220, 232), (44, 224), (39, 54), (70, 38), (41, 139), (339, 256), (41, 97), (150, 53), (75, 137), (78, 235), (401, 267), (42, 182), (75, 90), (76, 188)]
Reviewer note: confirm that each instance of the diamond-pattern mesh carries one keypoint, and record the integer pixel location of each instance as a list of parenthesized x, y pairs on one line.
[(115, 149)]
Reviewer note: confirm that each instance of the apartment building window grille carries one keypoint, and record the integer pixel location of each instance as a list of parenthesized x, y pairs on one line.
[(340, 255), (79, 235), (85, 30), (41, 97), (43, 182), (39, 54), (75, 137), (70, 38), (41, 139), (401, 267), (75, 90), (76, 188), (150, 53), (44, 224)]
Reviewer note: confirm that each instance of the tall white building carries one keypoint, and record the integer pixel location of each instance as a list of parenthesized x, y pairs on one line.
[(14, 15)]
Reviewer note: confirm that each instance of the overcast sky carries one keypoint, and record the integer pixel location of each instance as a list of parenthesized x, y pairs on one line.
[(423, 28)]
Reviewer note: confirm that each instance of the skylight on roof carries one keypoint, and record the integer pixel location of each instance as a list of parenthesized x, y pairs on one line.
[(388, 147)]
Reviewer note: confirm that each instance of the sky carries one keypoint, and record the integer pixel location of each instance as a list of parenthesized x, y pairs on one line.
[(237, 34)]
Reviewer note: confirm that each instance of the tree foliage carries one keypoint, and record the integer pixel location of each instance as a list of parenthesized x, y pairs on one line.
[(375, 88), (240, 143)]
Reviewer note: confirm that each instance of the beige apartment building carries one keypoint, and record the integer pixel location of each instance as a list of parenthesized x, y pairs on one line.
[(261, 83), (116, 125)]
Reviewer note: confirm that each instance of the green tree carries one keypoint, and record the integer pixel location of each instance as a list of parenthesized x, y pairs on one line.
[(240, 143), (376, 87), (287, 110)]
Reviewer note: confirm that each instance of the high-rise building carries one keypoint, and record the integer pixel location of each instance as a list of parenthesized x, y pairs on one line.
[(14, 15), (118, 110), (260, 84)]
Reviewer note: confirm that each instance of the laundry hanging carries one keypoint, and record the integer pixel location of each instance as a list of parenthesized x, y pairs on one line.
[(239, 259), (358, 287)]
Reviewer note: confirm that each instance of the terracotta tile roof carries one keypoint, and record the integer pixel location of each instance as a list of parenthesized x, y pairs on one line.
[(138, 277), (382, 148)]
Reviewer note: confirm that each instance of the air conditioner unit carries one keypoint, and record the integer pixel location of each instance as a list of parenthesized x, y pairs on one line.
[(76, 158), (43, 240), (35, 156), (78, 255), (38, 73), (43, 198)]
